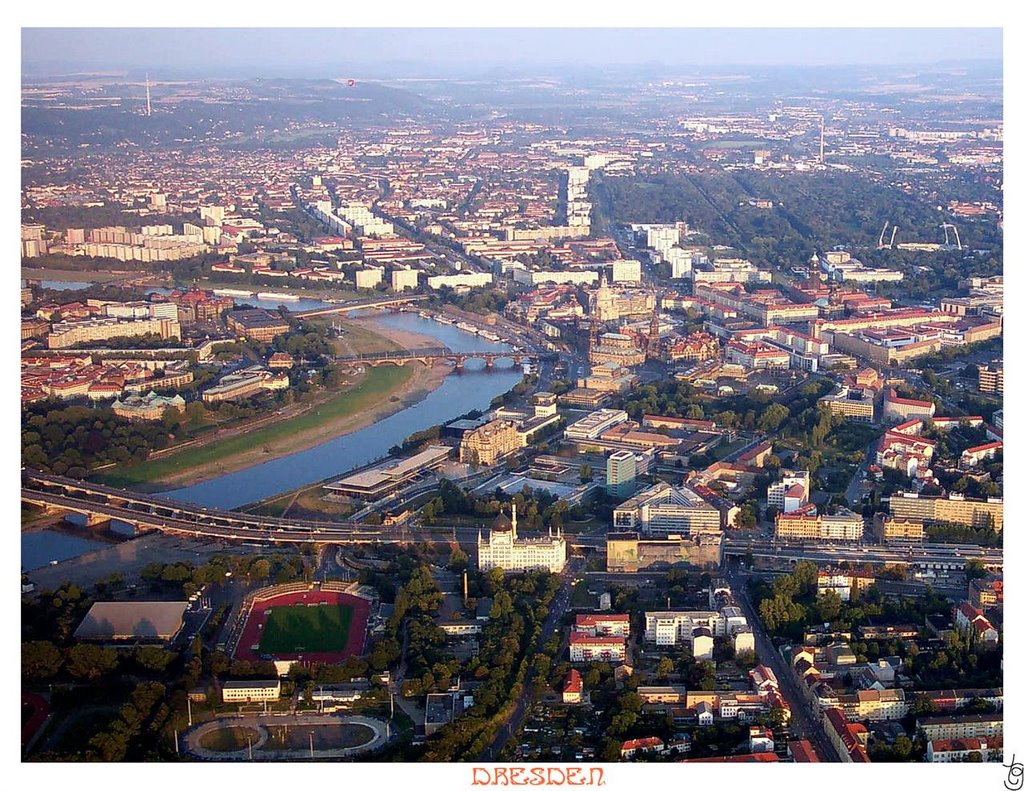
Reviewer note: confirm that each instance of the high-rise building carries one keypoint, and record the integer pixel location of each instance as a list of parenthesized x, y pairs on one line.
[(621, 473), (791, 492), (402, 279), (990, 379), (369, 277), (953, 508), (626, 271)]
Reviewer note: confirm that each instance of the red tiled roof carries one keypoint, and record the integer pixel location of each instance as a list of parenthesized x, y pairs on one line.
[(985, 447), (641, 744), (895, 399), (749, 758), (803, 752), (591, 619)]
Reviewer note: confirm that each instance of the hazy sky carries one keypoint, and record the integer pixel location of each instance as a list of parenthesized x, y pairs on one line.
[(269, 51)]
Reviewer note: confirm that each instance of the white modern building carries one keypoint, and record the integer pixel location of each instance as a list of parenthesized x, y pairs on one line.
[(402, 279), (251, 691), (626, 271), (467, 279), (664, 510), (595, 424), (791, 492), (369, 277)]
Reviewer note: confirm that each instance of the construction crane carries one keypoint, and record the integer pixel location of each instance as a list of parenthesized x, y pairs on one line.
[(945, 228)]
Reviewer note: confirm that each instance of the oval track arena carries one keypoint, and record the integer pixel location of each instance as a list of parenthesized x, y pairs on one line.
[(303, 623)]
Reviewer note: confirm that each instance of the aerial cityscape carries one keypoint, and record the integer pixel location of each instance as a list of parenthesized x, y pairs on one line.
[(510, 413)]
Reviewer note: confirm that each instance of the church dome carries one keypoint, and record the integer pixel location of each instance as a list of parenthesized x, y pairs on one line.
[(502, 524)]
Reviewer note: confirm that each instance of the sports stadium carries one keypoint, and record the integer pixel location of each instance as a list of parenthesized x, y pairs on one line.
[(318, 622)]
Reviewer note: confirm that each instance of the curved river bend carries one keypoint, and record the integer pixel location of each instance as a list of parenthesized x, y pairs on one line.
[(459, 393)]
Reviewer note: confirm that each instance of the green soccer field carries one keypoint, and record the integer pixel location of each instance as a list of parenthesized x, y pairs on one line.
[(296, 629)]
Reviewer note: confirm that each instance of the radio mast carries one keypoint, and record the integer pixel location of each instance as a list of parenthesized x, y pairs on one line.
[(149, 108)]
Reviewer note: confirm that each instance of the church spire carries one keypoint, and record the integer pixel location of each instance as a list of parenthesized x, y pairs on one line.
[(513, 521)]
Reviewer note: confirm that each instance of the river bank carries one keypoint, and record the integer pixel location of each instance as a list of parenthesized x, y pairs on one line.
[(382, 392), (80, 275), (472, 388)]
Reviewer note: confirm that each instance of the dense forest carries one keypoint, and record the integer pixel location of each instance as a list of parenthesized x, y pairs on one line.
[(811, 211)]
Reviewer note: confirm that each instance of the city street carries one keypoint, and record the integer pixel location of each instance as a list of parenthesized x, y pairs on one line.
[(803, 723), (573, 567)]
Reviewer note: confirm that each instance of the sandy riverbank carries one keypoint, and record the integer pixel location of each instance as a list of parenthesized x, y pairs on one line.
[(422, 381)]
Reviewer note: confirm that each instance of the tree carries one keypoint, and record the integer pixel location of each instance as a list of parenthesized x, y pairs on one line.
[(154, 658), (611, 750), (586, 473), (902, 748), (747, 659), (459, 560), (975, 570), (829, 605), (665, 667), (40, 659), (218, 663), (259, 570), (772, 418), (90, 661), (922, 705), (747, 517), (980, 706)]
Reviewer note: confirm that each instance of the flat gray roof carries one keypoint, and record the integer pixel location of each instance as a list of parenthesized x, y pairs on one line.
[(125, 620)]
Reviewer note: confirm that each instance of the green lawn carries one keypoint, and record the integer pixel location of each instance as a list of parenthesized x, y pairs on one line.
[(306, 629), (367, 394)]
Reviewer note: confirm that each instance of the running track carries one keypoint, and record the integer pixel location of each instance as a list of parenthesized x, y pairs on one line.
[(257, 620)]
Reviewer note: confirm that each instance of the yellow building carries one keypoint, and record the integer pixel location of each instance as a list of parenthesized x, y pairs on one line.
[(614, 347), (627, 552), (256, 324), (489, 443), (69, 333), (888, 529), (954, 508), (855, 408), (843, 526), (796, 526)]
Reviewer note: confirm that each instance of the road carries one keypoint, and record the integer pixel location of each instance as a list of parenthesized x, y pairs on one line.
[(559, 605), (803, 723), (936, 556), (412, 709)]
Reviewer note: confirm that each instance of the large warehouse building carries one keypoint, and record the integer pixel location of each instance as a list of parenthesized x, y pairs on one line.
[(132, 620)]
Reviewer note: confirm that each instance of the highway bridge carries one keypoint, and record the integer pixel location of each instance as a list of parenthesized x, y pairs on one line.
[(99, 504), (358, 304)]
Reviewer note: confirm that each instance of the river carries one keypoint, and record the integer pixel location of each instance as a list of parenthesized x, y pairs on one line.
[(463, 392)]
